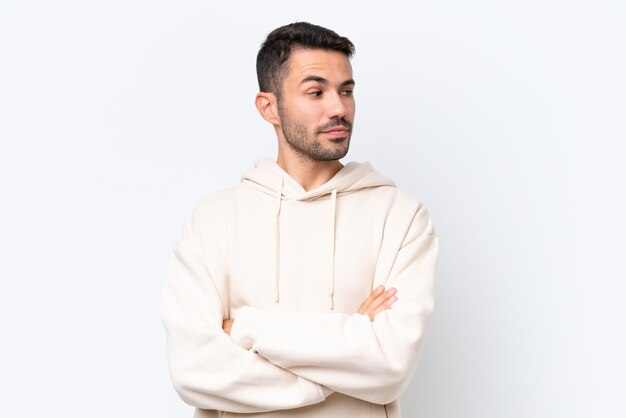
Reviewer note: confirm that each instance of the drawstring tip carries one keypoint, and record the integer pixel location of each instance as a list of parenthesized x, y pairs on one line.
[(276, 296), (332, 302)]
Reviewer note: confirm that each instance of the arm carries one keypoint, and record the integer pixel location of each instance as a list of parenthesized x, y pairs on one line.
[(208, 370), (350, 354), (375, 303)]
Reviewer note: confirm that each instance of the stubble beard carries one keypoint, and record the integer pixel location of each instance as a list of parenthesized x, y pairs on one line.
[(307, 145)]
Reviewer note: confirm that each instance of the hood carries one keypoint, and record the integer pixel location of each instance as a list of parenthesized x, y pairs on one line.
[(269, 178)]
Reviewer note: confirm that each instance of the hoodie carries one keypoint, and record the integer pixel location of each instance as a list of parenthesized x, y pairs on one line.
[(292, 267)]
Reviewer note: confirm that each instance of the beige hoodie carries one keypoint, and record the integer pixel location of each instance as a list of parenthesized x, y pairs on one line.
[(292, 267)]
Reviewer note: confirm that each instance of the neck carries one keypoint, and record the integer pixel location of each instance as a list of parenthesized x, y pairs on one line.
[(309, 174)]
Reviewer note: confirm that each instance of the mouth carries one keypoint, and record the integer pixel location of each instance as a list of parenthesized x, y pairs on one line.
[(338, 132)]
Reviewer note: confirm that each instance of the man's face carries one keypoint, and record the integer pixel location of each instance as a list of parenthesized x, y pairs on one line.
[(316, 109)]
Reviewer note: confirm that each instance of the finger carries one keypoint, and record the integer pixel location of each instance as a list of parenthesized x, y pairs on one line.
[(378, 300), (373, 295), (386, 305), (382, 298)]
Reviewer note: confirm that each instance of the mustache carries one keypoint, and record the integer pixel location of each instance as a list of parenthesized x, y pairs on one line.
[(333, 123)]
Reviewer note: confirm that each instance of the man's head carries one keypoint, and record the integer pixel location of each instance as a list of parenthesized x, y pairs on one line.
[(305, 82), (271, 61)]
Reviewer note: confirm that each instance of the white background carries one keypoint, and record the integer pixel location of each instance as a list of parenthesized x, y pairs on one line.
[(506, 118)]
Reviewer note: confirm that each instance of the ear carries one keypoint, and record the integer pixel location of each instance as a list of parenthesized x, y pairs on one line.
[(267, 106)]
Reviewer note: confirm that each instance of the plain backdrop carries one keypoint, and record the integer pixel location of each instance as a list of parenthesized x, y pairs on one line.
[(506, 118)]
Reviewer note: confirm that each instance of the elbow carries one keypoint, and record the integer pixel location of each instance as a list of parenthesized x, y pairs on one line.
[(395, 373), (193, 385), (194, 392), (390, 387), (399, 359), (185, 388)]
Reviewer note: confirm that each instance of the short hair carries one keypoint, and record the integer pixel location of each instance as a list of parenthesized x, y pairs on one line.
[(271, 61)]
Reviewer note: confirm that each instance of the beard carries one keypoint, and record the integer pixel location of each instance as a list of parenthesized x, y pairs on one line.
[(307, 145)]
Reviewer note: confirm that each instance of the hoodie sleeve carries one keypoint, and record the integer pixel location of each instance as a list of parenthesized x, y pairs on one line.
[(369, 360), (207, 369)]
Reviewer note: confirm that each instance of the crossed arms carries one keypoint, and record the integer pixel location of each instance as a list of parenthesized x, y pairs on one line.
[(300, 358), (375, 303)]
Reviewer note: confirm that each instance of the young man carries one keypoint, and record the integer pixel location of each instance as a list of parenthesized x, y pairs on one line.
[(305, 290)]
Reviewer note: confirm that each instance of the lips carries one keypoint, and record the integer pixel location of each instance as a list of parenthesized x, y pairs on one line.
[(336, 132)]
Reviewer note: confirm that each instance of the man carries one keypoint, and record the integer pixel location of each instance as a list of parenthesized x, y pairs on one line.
[(305, 290)]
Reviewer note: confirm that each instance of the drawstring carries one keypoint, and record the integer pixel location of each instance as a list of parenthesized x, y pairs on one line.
[(279, 198), (333, 204)]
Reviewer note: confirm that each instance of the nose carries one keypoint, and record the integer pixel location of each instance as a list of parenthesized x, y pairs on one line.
[(337, 106)]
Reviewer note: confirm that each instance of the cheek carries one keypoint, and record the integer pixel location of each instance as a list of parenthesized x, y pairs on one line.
[(310, 113), (350, 114), (351, 108), (307, 114)]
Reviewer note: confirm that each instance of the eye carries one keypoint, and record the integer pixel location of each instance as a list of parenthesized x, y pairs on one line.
[(315, 93), (346, 92)]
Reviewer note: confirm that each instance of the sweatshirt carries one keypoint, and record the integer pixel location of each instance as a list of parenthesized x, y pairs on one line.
[(292, 267)]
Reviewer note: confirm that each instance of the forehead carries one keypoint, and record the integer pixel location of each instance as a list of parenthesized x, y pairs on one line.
[(331, 65)]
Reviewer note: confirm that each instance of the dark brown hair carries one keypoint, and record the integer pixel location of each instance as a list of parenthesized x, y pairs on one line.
[(274, 53)]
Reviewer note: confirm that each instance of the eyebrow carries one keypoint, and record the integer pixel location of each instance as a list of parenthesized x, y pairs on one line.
[(322, 80)]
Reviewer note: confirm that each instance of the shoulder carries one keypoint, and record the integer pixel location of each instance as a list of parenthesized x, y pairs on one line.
[(208, 215), (397, 199), (407, 200), (219, 201), (404, 210)]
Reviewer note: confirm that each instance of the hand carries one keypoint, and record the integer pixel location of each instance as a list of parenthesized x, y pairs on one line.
[(227, 324), (377, 301), (374, 304)]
